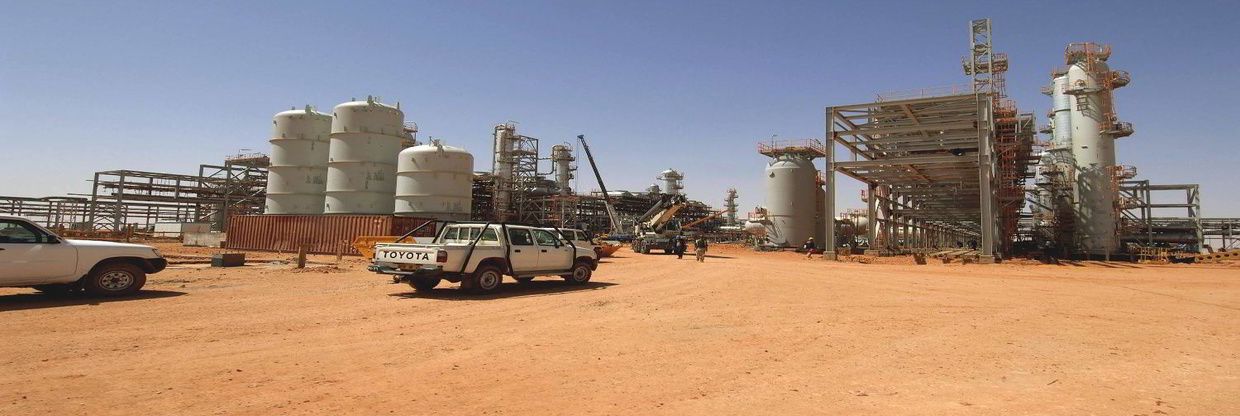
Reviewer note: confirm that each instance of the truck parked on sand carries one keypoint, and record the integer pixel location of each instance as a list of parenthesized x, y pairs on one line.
[(478, 255), (33, 256)]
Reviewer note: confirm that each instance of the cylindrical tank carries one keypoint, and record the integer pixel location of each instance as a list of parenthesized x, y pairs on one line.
[(672, 181), (1093, 152), (434, 181), (754, 228), (361, 169), (1061, 112), (790, 193), (654, 189), (562, 159), (297, 176)]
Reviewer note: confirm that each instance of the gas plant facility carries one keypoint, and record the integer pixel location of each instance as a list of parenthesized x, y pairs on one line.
[(959, 169)]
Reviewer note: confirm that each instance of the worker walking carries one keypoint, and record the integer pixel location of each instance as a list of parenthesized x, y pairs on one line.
[(700, 245), (681, 245), (809, 248)]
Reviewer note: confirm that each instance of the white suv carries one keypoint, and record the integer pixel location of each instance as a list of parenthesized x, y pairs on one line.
[(32, 256)]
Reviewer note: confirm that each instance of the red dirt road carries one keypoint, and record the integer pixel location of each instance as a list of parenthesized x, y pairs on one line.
[(744, 333)]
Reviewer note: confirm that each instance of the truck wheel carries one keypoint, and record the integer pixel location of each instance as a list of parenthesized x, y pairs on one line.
[(56, 289), (424, 284), (580, 275), (486, 279), (114, 279)]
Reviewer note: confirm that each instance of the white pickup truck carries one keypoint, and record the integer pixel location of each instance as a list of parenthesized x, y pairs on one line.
[(478, 256), (32, 256)]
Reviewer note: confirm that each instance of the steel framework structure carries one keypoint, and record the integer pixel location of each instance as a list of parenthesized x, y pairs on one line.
[(123, 198), (1144, 218), (927, 163), (1225, 230), (942, 166)]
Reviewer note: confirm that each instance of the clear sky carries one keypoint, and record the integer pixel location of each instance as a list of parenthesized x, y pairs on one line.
[(164, 86)]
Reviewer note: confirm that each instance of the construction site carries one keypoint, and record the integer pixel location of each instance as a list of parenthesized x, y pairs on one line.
[(1004, 261), (957, 171)]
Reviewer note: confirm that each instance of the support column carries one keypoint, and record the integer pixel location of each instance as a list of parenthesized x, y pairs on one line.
[(985, 177), (829, 182), (906, 237), (871, 203)]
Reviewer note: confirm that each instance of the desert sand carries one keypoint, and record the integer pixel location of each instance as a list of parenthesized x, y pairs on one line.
[(744, 333)]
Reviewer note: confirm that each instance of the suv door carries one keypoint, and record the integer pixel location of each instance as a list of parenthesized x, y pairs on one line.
[(28, 255), (553, 252), (522, 251)]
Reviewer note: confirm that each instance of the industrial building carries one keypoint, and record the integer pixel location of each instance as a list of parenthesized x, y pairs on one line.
[(959, 167)]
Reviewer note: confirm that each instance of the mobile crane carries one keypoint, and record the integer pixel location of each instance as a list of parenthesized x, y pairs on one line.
[(611, 211), (656, 229)]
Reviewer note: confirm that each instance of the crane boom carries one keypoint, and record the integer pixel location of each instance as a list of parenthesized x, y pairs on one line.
[(611, 211), (703, 219)]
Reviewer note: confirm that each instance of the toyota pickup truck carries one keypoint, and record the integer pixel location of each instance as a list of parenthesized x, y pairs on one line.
[(32, 256), (479, 255)]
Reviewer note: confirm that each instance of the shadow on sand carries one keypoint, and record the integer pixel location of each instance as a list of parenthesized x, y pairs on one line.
[(507, 290), (23, 301)]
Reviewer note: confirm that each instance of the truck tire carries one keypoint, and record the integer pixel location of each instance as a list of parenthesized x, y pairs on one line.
[(486, 279), (56, 289), (114, 279), (424, 284), (580, 274)]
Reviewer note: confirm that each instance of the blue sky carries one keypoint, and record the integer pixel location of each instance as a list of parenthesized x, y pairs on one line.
[(165, 86)]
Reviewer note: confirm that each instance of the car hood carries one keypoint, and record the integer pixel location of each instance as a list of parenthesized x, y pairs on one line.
[(107, 244)]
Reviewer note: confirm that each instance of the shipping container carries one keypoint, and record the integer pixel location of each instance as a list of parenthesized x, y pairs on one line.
[(322, 234)]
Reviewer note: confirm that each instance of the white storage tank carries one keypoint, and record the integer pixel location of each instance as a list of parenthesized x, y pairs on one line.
[(790, 194), (366, 137), (297, 177), (434, 181)]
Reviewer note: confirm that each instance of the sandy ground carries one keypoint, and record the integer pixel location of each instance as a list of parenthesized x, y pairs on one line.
[(743, 333)]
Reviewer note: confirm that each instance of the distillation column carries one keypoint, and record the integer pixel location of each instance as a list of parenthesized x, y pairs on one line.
[(729, 205), (503, 167), (562, 163), (1094, 128), (672, 181)]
